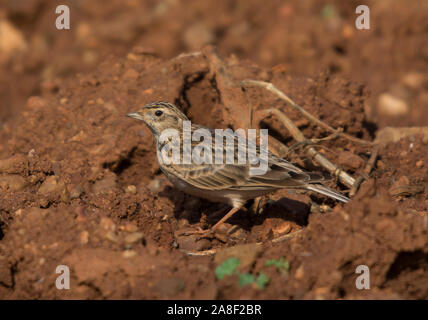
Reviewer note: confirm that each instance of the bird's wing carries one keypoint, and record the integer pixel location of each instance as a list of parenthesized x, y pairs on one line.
[(279, 172)]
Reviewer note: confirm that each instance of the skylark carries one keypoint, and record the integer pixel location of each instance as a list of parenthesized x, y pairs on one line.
[(227, 183)]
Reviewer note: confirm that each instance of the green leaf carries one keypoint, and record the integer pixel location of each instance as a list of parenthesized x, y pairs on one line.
[(262, 280), (281, 264), (245, 278), (227, 268)]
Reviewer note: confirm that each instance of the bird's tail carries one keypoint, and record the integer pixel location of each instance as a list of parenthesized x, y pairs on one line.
[(327, 192)]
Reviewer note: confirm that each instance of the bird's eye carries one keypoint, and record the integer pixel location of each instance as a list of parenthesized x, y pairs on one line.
[(158, 113)]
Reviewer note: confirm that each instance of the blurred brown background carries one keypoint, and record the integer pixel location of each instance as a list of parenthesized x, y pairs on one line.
[(300, 37)]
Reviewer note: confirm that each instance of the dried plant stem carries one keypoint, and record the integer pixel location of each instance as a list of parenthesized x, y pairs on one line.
[(214, 251), (270, 87), (299, 137), (368, 168)]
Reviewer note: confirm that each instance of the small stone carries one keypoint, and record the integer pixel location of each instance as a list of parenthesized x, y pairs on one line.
[(42, 261), (10, 163), (131, 74), (76, 192), (129, 254), (390, 105), (107, 224), (414, 80), (320, 293), (32, 153), (52, 184), (49, 185), (12, 182), (130, 227), (132, 57), (283, 228), (348, 159), (111, 236), (420, 164), (131, 189), (35, 102), (155, 185), (300, 273), (84, 237), (12, 40), (191, 243), (133, 237), (99, 101), (81, 136)]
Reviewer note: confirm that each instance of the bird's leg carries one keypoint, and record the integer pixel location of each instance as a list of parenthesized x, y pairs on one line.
[(201, 232), (227, 216), (219, 212)]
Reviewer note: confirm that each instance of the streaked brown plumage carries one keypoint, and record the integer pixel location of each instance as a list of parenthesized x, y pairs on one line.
[(227, 183)]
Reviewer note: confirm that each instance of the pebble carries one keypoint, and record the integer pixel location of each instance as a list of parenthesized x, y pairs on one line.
[(300, 273), (107, 224), (347, 158), (132, 57), (155, 185), (414, 80), (191, 243), (420, 164), (130, 227), (10, 163), (84, 237), (129, 254), (52, 184), (131, 189), (12, 182), (35, 102), (133, 237), (131, 74), (390, 105), (111, 236), (76, 192), (283, 228), (12, 39)]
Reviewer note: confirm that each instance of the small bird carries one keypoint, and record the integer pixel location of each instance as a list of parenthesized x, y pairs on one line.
[(222, 182)]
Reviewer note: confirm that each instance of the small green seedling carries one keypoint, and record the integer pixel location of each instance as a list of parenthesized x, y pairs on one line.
[(262, 280), (245, 278), (281, 264), (227, 268)]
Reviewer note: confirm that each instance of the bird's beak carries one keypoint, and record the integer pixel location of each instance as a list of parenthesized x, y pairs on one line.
[(134, 115)]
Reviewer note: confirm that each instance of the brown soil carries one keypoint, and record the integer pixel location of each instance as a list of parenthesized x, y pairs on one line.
[(80, 185)]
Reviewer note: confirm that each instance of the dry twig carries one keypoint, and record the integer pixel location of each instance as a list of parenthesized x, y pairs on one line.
[(299, 137), (270, 87)]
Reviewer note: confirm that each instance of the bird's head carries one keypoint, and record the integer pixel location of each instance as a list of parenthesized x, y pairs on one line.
[(159, 116)]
